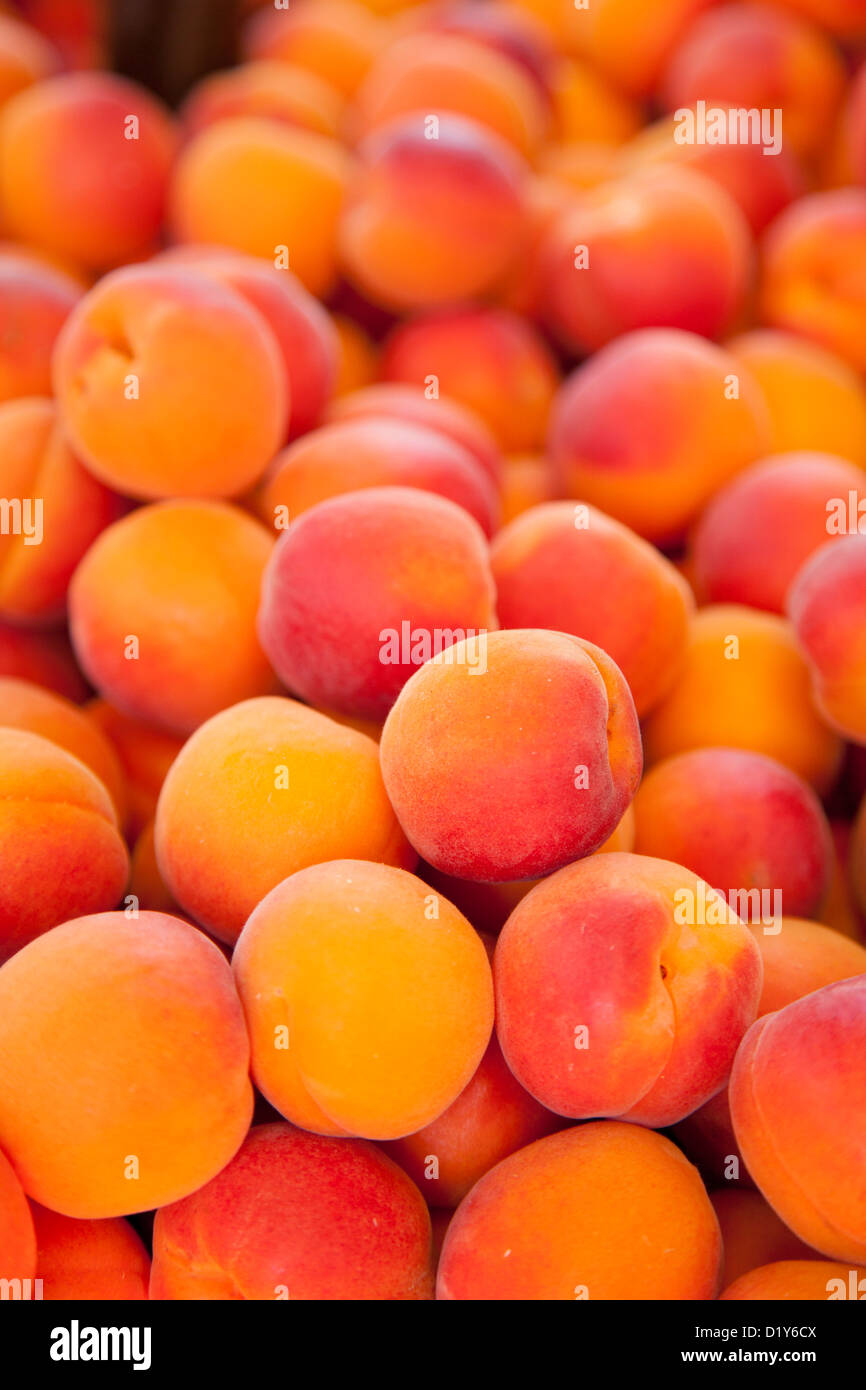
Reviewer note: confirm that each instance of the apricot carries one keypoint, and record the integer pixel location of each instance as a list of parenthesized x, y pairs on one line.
[(428, 222), (759, 58), (85, 160), (357, 356), (816, 401), (800, 1281), (447, 72), (573, 569), (151, 1095), (650, 1043), (472, 811), (811, 282), (162, 612), (304, 333), (527, 482), (588, 108), (491, 360), (364, 588), (168, 383), (376, 451), (297, 1216), (794, 1074), (664, 247), (45, 658), (60, 844), (35, 301), (145, 753), (412, 405), (827, 605), (259, 791), (752, 1234), (745, 684), (598, 1211), (267, 188), (17, 1237), (844, 18), (743, 822), (652, 426), (803, 957), (335, 40), (96, 1259), (760, 528), (56, 509), (369, 1000), (146, 886), (274, 90), (26, 57)]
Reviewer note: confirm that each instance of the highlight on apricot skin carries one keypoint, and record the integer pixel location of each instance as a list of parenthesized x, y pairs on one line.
[(598, 1211), (589, 1038), (572, 569), (260, 791), (96, 1259), (744, 823), (175, 1033), (162, 612), (169, 382), (364, 588), (301, 1217), (798, 1280), (369, 1001), (471, 809), (59, 841), (793, 1075), (76, 178)]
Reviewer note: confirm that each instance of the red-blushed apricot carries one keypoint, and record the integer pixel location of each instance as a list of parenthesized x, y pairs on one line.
[(827, 607), (816, 401), (760, 528), (169, 383), (357, 358), (811, 281), (491, 360), (474, 810), (17, 1237), (752, 1234), (598, 1211), (440, 72), (61, 849), (297, 1216), (798, 1280), (267, 188), (335, 39), (743, 822), (491, 1118), (414, 406), (745, 684), (95, 1259), (363, 589), (571, 568), (35, 710), (379, 451), (649, 1041), (664, 247), (303, 330), (26, 57), (504, 29), (151, 1094), (84, 167), (56, 509), (652, 425), (274, 90), (588, 108), (145, 751), (428, 222), (527, 482), (162, 612), (35, 301), (45, 658), (844, 18), (262, 790), (793, 1079), (760, 59), (368, 999), (761, 187), (627, 42)]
